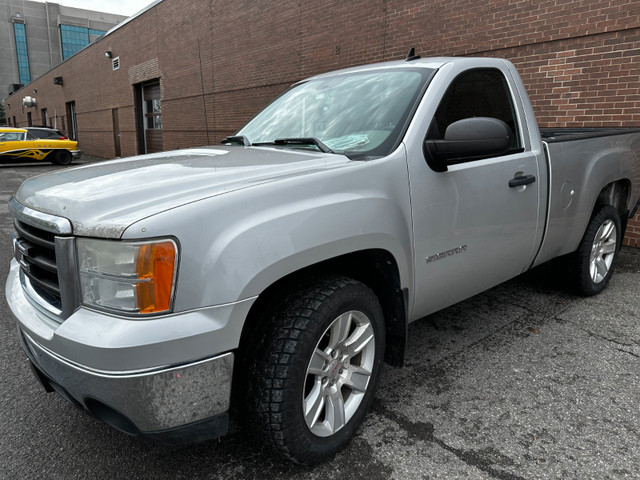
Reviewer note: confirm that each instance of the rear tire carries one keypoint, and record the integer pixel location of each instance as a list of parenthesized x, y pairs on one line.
[(312, 375), (590, 267), (62, 157)]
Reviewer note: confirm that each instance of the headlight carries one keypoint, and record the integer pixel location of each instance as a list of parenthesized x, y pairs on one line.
[(131, 277)]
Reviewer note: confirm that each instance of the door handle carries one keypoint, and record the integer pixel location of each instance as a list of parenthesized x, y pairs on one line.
[(520, 180)]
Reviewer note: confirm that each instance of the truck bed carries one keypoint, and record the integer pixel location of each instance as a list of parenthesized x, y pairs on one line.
[(573, 155)]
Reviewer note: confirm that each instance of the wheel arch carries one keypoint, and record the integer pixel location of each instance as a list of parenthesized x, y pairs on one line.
[(567, 226), (375, 268), (618, 195)]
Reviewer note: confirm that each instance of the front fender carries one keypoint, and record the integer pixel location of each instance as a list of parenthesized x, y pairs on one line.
[(270, 248), (235, 245)]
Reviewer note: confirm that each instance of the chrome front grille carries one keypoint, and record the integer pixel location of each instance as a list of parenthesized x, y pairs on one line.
[(36, 252), (45, 250)]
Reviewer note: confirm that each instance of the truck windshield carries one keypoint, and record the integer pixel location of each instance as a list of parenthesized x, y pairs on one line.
[(361, 114)]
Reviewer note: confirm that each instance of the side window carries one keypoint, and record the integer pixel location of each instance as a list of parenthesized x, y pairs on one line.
[(31, 136), (476, 93)]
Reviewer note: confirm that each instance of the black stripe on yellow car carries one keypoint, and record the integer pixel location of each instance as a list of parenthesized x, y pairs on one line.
[(33, 153)]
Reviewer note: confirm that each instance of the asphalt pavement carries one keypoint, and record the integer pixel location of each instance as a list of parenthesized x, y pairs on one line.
[(524, 381)]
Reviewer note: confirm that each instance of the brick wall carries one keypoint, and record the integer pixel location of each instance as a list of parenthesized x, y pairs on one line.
[(220, 62)]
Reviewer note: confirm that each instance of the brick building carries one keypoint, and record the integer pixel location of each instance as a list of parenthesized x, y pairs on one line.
[(189, 73), (35, 36)]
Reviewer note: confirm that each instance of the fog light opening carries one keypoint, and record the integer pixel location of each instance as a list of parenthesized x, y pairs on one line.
[(110, 416)]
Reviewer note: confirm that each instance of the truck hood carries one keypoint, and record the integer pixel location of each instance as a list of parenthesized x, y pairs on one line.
[(104, 199)]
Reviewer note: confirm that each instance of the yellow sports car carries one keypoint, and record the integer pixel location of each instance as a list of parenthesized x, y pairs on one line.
[(18, 143)]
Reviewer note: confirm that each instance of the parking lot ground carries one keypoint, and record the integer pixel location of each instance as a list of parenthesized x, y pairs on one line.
[(524, 381)]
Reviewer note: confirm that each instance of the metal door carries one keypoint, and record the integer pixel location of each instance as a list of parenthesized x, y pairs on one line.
[(152, 116), (473, 228), (116, 133)]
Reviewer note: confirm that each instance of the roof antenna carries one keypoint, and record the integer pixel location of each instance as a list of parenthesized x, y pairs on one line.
[(412, 55)]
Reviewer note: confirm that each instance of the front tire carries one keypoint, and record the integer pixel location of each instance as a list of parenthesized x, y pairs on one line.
[(316, 368), (591, 265)]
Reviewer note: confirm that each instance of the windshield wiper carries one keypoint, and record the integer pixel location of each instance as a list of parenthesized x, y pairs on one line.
[(302, 141), (237, 140)]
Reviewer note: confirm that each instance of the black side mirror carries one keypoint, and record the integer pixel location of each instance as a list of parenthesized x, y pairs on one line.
[(468, 139)]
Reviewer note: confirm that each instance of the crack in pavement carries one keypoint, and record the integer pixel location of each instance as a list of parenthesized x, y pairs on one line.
[(627, 351), (425, 431), (607, 339)]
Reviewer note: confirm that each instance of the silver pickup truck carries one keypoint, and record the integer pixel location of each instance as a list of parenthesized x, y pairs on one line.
[(269, 277)]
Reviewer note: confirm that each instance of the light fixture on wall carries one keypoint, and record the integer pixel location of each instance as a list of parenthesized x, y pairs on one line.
[(108, 54)]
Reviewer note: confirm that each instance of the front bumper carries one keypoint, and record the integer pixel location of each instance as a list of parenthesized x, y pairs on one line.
[(167, 378), (185, 403)]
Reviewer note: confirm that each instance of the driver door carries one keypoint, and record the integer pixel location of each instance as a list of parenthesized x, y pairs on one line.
[(472, 230)]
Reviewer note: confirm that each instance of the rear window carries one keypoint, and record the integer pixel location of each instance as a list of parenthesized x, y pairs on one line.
[(42, 133)]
